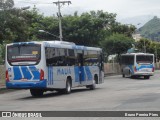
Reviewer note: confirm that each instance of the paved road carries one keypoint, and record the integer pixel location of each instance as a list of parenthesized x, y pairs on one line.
[(116, 93)]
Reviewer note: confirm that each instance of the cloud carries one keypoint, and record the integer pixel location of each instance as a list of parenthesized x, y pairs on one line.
[(123, 8)]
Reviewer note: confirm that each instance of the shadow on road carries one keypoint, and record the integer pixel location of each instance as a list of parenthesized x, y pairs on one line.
[(56, 94), (139, 78), (136, 78)]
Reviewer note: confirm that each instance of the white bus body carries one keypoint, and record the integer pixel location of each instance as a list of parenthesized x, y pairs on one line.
[(137, 64), (52, 65)]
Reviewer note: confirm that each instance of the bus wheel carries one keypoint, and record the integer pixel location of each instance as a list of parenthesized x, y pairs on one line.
[(123, 75), (67, 90), (93, 86), (36, 92), (146, 77)]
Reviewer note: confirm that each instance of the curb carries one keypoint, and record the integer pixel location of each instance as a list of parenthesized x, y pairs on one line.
[(2, 86), (3, 89), (111, 74)]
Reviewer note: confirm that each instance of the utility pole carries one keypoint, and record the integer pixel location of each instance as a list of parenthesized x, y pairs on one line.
[(60, 4), (156, 54), (144, 46)]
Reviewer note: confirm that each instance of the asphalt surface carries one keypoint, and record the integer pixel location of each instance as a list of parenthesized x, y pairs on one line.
[(115, 94)]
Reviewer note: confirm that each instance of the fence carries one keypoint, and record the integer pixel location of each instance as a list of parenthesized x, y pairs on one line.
[(112, 68)]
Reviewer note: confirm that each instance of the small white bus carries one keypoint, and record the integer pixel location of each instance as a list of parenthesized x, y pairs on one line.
[(137, 64), (52, 65)]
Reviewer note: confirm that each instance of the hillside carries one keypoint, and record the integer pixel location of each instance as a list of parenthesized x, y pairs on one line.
[(151, 29), (137, 21)]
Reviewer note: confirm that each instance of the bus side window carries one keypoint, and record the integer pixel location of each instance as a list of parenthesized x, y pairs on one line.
[(71, 57), (61, 56), (51, 56)]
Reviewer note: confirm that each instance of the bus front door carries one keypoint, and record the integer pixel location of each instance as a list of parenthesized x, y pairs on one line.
[(101, 69), (81, 68)]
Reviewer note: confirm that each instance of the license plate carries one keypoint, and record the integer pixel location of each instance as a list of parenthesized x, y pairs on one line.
[(23, 79), (146, 70)]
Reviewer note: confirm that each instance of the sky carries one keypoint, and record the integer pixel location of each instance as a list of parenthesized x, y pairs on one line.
[(123, 8)]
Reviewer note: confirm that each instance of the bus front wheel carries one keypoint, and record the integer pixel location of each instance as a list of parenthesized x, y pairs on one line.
[(36, 92), (67, 90), (93, 86)]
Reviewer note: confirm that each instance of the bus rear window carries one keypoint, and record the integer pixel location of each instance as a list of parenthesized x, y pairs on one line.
[(23, 53), (143, 59)]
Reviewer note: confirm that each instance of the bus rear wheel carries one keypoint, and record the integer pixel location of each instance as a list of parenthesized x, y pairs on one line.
[(36, 92), (123, 75)]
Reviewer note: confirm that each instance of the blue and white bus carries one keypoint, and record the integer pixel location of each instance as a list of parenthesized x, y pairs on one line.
[(137, 65), (52, 65)]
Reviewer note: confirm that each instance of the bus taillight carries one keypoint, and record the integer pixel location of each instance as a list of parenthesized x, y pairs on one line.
[(7, 76), (153, 69), (41, 75), (135, 69)]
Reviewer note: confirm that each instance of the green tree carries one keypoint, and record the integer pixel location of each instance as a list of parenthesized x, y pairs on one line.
[(19, 25), (6, 4), (117, 44), (87, 29), (127, 30), (151, 46), (51, 25), (143, 45), (14, 27)]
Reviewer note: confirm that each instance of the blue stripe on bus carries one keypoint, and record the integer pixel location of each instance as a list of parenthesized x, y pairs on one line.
[(144, 66), (76, 72), (50, 75), (17, 73), (88, 73), (80, 47), (83, 75), (35, 72), (26, 73), (131, 68)]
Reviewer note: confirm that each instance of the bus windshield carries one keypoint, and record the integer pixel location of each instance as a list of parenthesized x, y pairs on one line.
[(23, 53), (140, 59)]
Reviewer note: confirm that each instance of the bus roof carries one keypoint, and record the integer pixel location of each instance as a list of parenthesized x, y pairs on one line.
[(58, 44), (137, 54)]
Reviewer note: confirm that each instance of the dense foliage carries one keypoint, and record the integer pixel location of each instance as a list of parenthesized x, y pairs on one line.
[(146, 45), (94, 28), (117, 44)]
